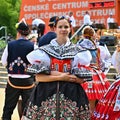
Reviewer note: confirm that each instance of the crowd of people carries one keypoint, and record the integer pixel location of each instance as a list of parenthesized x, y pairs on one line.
[(57, 79)]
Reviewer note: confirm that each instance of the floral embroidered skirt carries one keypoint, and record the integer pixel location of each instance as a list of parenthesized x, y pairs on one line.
[(108, 108), (57, 101)]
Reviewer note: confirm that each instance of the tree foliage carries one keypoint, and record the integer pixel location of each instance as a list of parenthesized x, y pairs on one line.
[(9, 14)]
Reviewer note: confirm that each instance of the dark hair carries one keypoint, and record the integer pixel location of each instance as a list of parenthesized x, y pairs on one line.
[(23, 29), (41, 29), (87, 12), (62, 18), (71, 13), (52, 21)]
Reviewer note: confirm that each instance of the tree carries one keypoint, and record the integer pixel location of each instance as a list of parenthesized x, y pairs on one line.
[(9, 14)]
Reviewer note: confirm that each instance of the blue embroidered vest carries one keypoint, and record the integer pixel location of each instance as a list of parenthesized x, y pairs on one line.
[(17, 51)]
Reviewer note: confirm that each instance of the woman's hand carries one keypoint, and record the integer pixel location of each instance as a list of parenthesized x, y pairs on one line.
[(70, 78), (67, 77), (58, 76), (79, 80)]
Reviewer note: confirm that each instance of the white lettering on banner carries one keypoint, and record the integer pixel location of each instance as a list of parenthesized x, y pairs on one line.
[(44, 15), (69, 5), (79, 22), (102, 12), (98, 12), (31, 8), (79, 13), (43, 11)]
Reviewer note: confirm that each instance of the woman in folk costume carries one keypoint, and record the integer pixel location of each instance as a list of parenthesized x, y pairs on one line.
[(108, 108), (101, 59), (58, 95)]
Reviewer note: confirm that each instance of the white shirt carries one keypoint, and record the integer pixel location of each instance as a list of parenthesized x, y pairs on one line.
[(86, 20), (72, 19), (73, 22), (110, 20)]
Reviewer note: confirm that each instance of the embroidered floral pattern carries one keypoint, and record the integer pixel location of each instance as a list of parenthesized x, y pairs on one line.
[(68, 110), (17, 64)]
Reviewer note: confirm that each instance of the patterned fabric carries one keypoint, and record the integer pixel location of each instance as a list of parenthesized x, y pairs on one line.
[(117, 102), (47, 111), (62, 52), (16, 65), (60, 65), (34, 69), (17, 61), (96, 88), (85, 43), (58, 100), (83, 72), (106, 108)]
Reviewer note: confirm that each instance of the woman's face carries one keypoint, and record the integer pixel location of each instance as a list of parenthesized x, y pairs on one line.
[(62, 28)]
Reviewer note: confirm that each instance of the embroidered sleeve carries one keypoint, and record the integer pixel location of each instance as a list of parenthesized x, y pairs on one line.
[(83, 58), (40, 62), (105, 58), (81, 65)]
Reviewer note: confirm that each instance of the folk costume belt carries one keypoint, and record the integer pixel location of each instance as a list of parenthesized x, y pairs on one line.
[(21, 83)]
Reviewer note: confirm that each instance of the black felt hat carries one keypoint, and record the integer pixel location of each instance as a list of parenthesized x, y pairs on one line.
[(23, 28)]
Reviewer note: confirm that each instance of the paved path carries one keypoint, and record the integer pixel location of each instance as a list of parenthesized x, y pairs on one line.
[(2, 96)]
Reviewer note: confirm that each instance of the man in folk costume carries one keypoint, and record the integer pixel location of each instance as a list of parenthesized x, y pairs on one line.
[(19, 82)]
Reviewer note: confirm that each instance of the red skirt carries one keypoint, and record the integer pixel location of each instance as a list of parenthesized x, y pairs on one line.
[(96, 88), (105, 108)]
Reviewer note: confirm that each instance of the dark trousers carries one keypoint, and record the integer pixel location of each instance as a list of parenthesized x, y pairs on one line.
[(11, 99)]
